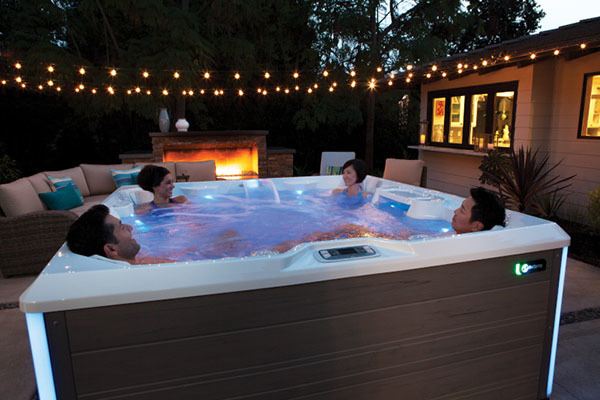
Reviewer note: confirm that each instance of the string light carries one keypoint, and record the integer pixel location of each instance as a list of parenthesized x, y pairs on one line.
[(58, 89), (434, 68), (18, 65), (379, 69), (221, 92), (23, 85), (145, 74), (460, 71), (277, 89), (296, 75), (129, 91), (407, 80), (466, 66), (316, 86), (111, 91), (81, 71), (4, 81), (206, 75), (352, 73), (286, 90), (190, 92), (331, 88), (176, 75), (216, 92), (334, 84), (267, 75), (259, 90), (18, 79), (484, 63), (556, 52), (444, 74), (475, 67), (372, 85), (583, 46), (113, 72), (148, 92), (428, 75), (309, 90), (137, 89), (296, 87), (240, 92), (390, 83), (264, 92), (410, 75), (392, 75), (81, 87), (532, 56), (76, 90), (184, 92), (165, 92), (459, 66), (409, 67), (40, 87), (353, 84), (50, 83), (50, 68), (202, 91), (94, 91), (236, 76), (506, 58), (325, 73)]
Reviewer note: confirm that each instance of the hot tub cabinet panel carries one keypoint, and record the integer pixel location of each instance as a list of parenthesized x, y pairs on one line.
[(468, 330)]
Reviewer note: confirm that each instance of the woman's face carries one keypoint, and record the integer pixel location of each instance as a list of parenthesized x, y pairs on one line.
[(349, 175), (165, 189)]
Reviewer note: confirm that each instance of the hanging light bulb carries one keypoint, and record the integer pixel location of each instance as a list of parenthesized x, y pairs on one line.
[(331, 88), (352, 73), (145, 74), (23, 85), (184, 92), (428, 75), (277, 89), (309, 90), (202, 91), (81, 87), (148, 92), (50, 83), (58, 89), (165, 92), (137, 89), (190, 92), (4, 81), (236, 76), (19, 79), (128, 91), (76, 90), (94, 91), (286, 90), (176, 75), (506, 58), (434, 68), (113, 72), (334, 84), (81, 71), (50, 68), (582, 46), (484, 63), (372, 85), (475, 67), (216, 92), (407, 80), (267, 75), (532, 56), (325, 73), (316, 86), (296, 75), (18, 65), (240, 92), (221, 92), (444, 74), (264, 92), (409, 67), (353, 84), (379, 69), (410, 75), (296, 87), (459, 66), (40, 87), (206, 75), (259, 90), (392, 75), (390, 83), (556, 52), (111, 91)]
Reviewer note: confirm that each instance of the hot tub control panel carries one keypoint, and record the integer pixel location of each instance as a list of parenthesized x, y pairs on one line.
[(344, 253)]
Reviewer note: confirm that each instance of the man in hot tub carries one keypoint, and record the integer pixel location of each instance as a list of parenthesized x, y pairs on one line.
[(98, 234), (481, 211)]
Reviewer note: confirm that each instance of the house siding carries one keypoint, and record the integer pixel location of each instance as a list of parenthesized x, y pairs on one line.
[(546, 118)]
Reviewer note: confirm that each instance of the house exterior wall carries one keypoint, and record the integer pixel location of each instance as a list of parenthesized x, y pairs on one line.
[(546, 117)]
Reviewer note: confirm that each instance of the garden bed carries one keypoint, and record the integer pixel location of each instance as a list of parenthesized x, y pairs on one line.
[(585, 242)]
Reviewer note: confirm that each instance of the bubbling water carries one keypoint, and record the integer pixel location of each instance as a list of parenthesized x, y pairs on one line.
[(214, 226)]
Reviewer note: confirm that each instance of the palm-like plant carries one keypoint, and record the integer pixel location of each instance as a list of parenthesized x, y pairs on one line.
[(526, 179)]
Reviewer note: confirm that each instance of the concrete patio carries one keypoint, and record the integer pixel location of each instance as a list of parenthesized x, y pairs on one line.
[(577, 365)]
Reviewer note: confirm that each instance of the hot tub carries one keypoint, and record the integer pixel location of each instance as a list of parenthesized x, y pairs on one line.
[(433, 315)]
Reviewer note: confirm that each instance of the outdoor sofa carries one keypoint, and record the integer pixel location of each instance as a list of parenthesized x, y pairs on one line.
[(30, 233)]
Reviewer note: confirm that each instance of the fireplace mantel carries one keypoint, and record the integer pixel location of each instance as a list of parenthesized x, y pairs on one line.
[(209, 133)]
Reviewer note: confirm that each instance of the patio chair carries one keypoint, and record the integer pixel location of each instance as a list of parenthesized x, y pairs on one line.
[(332, 161), (405, 171)]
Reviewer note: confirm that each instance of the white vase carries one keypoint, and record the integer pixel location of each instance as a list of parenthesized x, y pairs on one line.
[(182, 125), (163, 120)]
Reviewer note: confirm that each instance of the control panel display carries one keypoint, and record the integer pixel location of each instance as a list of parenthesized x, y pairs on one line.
[(345, 253)]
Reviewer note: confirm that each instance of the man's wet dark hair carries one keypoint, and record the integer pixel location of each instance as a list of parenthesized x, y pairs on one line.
[(488, 208), (359, 166), (151, 176), (90, 232)]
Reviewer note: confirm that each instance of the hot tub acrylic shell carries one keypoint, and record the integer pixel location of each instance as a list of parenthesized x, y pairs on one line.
[(446, 316)]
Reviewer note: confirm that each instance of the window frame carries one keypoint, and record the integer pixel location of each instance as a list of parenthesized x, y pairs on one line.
[(582, 106), (468, 92)]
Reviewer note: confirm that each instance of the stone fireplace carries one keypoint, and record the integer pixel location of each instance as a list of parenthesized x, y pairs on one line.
[(237, 154)]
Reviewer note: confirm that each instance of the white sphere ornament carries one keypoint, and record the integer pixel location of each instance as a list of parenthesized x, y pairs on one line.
[(182, 125)]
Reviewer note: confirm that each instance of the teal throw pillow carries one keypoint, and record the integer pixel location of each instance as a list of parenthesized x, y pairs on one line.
[(125, 176), (62, 182), (64, 198)]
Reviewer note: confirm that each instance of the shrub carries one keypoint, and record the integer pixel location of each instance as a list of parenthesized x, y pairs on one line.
[(8, 169), (594, 208)]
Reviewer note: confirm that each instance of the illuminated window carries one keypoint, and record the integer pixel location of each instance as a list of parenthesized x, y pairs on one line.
[(437, 126), (458, 116), (478, 115), (589, 126), (503, 117)]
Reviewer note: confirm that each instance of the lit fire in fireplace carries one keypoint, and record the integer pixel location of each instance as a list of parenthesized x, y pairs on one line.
[(239, 163)]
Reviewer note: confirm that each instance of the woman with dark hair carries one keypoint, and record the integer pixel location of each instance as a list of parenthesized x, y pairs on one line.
[(159, 181), (354, 173)]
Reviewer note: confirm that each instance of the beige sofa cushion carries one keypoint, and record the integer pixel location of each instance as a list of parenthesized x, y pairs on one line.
[(88, 203), (168, 165), (99, 178), (40, 182), (197, 171), (74, 173), (19, 197), (405, 171)]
